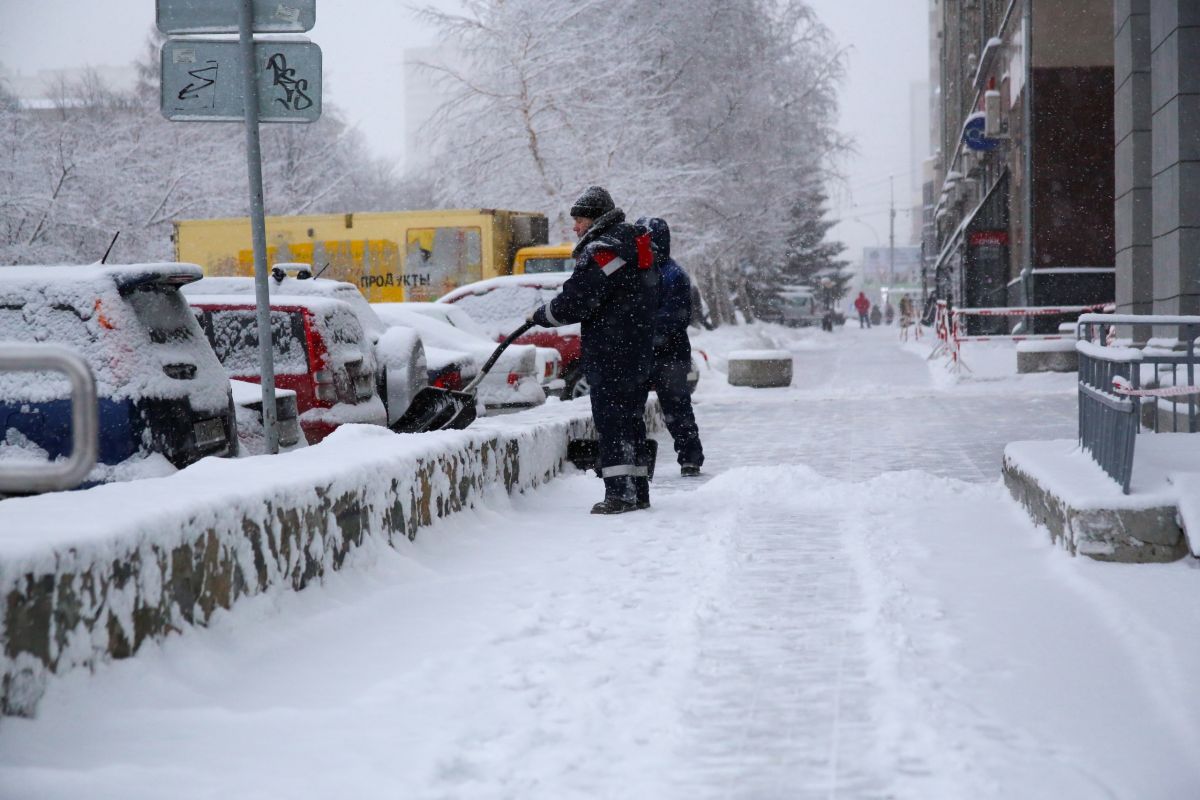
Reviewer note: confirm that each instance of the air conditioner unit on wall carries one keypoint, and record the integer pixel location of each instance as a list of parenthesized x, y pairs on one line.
[(993, 125)]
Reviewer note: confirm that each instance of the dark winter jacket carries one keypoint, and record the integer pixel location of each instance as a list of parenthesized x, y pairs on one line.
[(614, 298), (674, 314)]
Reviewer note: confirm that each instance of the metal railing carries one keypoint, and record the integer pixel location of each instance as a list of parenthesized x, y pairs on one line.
[(1114, 382), (24, 477)]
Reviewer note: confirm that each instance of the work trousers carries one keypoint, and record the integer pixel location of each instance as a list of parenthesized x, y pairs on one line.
[(619, 412), (670, 384)]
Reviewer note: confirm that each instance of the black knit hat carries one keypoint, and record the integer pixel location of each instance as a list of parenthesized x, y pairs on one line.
[(594, 203)]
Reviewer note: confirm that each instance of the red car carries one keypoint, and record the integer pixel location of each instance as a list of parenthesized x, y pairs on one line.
[(320, 353), (499, 306)]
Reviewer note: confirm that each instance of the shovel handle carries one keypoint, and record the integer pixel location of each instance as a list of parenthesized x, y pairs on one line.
[(495, 355)]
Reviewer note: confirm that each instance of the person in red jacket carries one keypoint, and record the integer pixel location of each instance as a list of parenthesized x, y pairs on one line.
[(863, 306)]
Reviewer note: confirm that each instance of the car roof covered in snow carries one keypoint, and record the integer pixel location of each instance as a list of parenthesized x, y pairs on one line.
[(548, 280), (316, 304), (124, 276), (308, 287)]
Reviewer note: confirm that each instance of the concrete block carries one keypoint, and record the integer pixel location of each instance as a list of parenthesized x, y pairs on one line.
[(1164, 72), (1047, 361), (1173, 65), (1126, 535), (1177, 263), (1131, 46), (1176, 198), (1168, 15), (1132, 163), (761, 369), (1175, 136), (1167, 264), (1133, 221), (1131, 106)]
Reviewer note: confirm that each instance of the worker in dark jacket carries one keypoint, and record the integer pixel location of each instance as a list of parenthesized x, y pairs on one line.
[(614, 294), (673, 350)]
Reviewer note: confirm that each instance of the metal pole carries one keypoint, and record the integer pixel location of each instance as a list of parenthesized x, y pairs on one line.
[(892, 234), (1027, 255), (258, 225)]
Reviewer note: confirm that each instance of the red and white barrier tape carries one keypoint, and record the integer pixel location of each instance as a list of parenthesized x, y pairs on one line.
[(1122, 386)]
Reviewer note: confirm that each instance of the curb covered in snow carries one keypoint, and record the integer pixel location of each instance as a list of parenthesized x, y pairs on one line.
[(91, 575), (1084, 509)]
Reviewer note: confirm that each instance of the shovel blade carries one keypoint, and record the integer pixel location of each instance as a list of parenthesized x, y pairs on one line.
[(433, 409), (465, 416)]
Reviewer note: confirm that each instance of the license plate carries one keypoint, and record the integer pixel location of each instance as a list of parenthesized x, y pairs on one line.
[(209, 432)]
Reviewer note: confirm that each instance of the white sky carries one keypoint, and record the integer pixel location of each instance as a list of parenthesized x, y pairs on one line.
[(363, 44)]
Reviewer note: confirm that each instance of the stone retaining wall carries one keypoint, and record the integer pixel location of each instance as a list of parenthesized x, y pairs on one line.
[(93, 575)]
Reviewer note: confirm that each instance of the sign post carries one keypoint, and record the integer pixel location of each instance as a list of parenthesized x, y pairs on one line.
[(220, 80), (258, 228)]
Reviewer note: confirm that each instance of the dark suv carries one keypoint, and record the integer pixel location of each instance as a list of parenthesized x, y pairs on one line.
[(161, 389)]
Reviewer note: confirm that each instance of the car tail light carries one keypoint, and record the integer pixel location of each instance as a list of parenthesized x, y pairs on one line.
[(451, 379), (514, 378)]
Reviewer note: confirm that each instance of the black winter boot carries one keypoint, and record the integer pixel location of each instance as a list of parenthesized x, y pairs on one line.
[(620, 496), (643, 492)]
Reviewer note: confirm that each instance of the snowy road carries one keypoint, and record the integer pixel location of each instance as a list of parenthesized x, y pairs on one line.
[(849, 607)]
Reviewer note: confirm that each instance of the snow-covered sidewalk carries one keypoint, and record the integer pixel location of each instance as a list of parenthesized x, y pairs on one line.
[(850, 606)]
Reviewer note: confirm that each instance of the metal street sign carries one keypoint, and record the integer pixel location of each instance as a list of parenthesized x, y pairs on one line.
[(221, 16), (202, 79)]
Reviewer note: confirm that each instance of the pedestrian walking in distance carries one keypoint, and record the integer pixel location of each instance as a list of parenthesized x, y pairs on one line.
[(907, 312), (673, 350), (863, 306), (614, 295)]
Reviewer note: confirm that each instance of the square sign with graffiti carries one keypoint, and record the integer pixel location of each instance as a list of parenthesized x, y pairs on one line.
[(202, 80)]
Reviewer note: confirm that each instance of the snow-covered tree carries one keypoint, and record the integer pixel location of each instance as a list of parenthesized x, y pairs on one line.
[(102, 161), (706, 113), (812, 258)]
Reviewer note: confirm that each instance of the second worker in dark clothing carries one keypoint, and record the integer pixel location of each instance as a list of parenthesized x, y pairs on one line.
[(673, 350), (614, 294)]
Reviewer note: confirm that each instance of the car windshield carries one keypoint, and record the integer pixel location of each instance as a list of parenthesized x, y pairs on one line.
[(233, 334), (164, 312), (536, 266)]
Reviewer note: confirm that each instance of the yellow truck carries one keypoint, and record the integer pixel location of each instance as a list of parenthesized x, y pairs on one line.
[(392, 256)]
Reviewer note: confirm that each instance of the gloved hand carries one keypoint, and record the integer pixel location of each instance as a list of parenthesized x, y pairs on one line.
[(538, 317)]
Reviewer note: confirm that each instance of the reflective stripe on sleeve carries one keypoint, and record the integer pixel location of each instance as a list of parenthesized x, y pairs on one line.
[(613, 265), (550, 317)]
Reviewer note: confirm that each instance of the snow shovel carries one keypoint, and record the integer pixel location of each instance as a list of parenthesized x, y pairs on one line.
[(436, 409)]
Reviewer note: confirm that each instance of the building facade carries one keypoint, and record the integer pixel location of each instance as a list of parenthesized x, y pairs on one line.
[(1024, 213), (1157, 104)]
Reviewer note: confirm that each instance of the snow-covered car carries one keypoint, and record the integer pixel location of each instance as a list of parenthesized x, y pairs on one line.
[(799, 308), (319, 351), (512, 384), (164, 400), (252, 437), (549, 360), (399, 354), (450, 369), (499, 306)]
